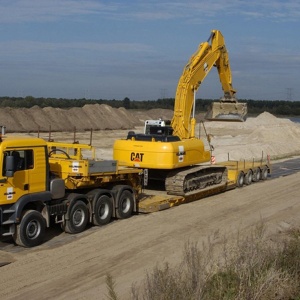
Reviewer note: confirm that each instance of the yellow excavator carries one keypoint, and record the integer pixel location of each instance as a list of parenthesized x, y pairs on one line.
[(172, 152)]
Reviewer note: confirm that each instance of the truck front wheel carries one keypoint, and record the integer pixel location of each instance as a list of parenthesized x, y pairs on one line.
[(30, 231), (78, 218), (103, 211), (125, 205)]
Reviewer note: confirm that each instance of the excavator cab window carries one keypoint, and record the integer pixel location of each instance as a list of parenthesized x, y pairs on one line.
[(161, 130)]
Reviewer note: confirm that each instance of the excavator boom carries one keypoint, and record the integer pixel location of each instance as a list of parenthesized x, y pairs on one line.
[(209, 54)]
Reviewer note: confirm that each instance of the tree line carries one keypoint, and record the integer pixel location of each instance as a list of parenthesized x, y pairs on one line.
[(255, 107)]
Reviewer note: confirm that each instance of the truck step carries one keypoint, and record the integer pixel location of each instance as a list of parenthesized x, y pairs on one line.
[(8, 222), (8, 211), (7, 234)]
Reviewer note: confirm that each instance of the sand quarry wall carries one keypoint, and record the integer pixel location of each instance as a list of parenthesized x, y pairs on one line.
[(96, 117)]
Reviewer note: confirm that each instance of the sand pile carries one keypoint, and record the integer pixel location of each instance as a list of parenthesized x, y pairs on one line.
[(156, 113), (253, 139), (96, 117), (263, 135)]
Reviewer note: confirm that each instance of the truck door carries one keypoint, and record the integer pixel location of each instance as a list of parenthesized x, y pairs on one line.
[(29, 174), (12, 188), (37, 170)]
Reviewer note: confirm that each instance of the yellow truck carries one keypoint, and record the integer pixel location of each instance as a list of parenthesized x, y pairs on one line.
[(44, 181)]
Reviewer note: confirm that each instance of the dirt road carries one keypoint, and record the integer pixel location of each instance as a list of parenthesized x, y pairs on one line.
[(127, 248)]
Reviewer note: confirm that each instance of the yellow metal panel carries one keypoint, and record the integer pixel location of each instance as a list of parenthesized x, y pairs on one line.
[(160, 155), (37, 175), (156, 203)]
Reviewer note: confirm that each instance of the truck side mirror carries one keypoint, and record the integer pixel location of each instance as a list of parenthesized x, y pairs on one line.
[(9, 166)]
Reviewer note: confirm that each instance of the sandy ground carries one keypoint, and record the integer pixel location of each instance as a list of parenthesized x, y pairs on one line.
[(75, 266), (127, 248)]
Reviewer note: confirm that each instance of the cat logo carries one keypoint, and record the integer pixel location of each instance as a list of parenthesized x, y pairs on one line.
[(138, 157)]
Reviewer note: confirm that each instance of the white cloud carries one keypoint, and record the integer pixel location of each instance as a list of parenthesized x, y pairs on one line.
[(13, 11), (25, 47)]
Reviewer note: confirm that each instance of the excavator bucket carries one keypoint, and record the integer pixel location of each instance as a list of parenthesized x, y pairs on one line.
[(227, 110)]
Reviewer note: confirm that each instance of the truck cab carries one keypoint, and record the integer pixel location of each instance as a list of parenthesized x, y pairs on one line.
[(24, 168), (24, 183)]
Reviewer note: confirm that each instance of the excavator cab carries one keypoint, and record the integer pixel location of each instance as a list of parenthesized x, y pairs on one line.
[(159, 126), (227, 109)]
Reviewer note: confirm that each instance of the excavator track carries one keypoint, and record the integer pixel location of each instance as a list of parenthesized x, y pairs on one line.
[(197, 180)]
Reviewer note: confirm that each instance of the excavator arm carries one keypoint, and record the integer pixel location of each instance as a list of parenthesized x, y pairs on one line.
[(209, 54)]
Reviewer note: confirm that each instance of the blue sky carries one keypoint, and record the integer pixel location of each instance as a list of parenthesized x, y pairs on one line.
[(138, 49)]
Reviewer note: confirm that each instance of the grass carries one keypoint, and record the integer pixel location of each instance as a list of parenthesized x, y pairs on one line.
[(110, 284), (253, 267)]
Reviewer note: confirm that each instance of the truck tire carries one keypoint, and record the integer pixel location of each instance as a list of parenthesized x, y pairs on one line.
[(103, 211), (257, 175), (240, 179), (30, 231), (78, 218), (125, 205), (264, 173), (248, 177)]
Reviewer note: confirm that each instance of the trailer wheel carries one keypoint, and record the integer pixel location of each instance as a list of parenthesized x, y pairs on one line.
[(248, 177), (30, 231), (103, 211), (125, 205), (240, 179), (256, 175), (78, 218), (264, 173)]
